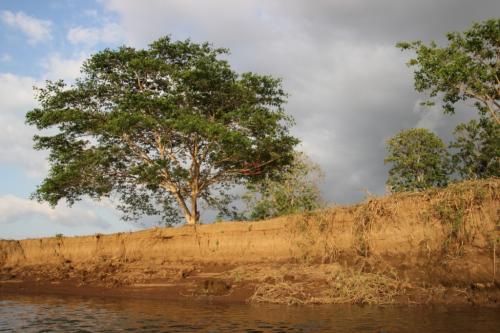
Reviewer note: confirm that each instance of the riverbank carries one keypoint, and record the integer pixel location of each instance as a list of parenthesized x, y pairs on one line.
[(413, 248)]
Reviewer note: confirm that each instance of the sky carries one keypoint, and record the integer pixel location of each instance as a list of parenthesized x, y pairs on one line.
[(350, 89)]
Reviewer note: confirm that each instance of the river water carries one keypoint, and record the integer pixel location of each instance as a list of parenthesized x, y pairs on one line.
[(70, 314)]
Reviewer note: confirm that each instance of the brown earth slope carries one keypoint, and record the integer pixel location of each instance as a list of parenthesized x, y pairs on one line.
[(436, 246)]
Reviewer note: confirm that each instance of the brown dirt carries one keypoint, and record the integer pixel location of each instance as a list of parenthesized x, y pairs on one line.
[(431, 247)]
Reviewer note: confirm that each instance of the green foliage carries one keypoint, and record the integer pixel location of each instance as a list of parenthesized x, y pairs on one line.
[(477, 149), (293, 189), (419, 161), (468, 68), (453, 209), (159, 129)]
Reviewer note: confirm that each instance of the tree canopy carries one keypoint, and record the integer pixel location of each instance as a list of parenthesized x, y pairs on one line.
[(468, 68), (293, 189), (476, 149), (419, 160), (160, 129)]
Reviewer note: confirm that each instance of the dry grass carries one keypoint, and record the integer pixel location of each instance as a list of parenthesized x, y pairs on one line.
[(280, 293), (461, 212), (456, 207), (345, 286), (354, 287)]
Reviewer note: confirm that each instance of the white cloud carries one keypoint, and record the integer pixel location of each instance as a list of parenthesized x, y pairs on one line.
[(35, 29), (16, 93), (5, 57), (22, 218), (16, 98), (57, 67), (17, 210), (92, 13), (16, 145), (107, 34)]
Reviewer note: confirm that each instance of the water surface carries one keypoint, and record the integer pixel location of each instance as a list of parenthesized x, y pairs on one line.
[(71, 314)]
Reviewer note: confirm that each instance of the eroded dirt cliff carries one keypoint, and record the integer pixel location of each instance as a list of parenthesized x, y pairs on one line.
[(436, 246)]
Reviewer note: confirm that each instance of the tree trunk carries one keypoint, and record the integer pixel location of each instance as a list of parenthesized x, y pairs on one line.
[(191, 219), (194, 217)]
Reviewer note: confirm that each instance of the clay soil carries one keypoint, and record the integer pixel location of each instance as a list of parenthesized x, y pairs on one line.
[(414, 248)]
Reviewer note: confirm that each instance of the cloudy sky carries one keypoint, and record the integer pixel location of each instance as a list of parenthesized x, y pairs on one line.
[(349, 87)]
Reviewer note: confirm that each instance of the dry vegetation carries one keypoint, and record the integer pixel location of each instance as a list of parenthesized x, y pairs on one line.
[(344, 285), (432, 246)]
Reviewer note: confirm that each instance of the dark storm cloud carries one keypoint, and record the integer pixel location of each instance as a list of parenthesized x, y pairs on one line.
[(349, 87), (389, 20)]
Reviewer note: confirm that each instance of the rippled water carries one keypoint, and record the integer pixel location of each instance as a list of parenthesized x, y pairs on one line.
[(65, 314)]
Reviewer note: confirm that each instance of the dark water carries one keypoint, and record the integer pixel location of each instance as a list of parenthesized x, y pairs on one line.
[(56, 314)]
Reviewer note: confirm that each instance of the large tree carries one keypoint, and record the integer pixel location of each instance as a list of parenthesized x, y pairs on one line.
[(160, 129), (468, 68), (419, 160), (476, 149)]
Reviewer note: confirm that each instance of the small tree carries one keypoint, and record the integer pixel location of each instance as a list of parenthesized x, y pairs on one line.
[(477, 149), (419, 160), (467, 69), (292, 190), (160, 128)]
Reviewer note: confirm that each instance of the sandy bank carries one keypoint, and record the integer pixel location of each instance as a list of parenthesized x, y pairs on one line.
[(435, 246)]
